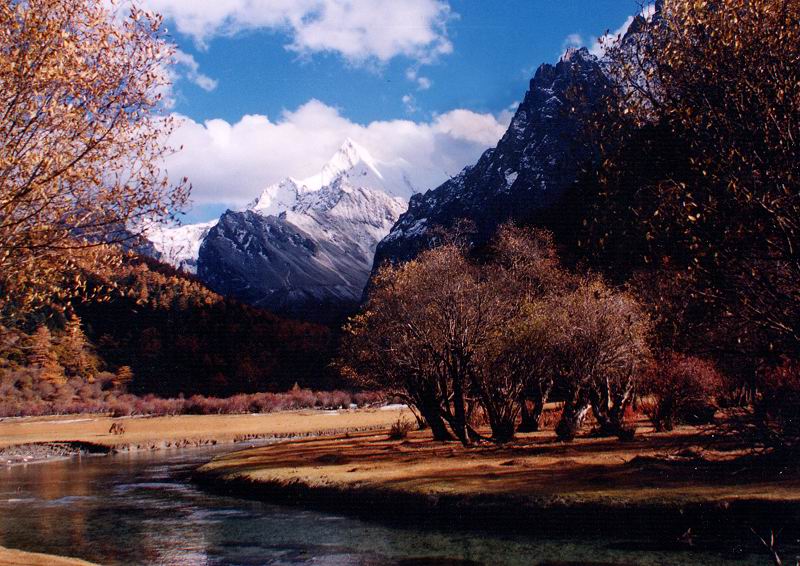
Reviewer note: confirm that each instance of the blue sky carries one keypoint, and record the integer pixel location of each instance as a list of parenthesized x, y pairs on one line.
[(268, 87)]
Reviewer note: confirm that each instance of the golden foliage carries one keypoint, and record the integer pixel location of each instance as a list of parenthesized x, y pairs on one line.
[(720, 82), (80, 92)]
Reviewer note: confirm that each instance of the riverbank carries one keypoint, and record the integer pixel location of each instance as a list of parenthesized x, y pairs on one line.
[(10, 557), (38, 439), (684, 487)]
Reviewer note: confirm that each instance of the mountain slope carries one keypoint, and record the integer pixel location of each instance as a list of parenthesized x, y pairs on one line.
[(536, 161), (179, 246), (306, 248)]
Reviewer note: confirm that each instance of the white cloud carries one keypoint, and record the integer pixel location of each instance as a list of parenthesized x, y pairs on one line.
[(230, 163), (410, 103), (186, 66), (598, 45), (480, 129), (358, 30), (572, 40), (423, 83)]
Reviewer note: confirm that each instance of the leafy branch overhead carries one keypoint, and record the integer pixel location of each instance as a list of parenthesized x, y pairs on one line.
[(83, 139)]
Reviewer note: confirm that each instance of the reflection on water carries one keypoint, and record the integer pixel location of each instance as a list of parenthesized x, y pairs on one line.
[(141, 509)]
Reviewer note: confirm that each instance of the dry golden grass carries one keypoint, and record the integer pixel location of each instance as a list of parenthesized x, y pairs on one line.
[(157, 431), (655, 467), (9, 557)]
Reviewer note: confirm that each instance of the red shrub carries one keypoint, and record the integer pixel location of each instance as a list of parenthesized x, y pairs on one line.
[(683, 389), (365, 398), (301, 398), (265, 402), (778, 406), (340, 400)]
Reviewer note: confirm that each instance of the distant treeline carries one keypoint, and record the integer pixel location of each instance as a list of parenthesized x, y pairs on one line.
[(179, 337), (156, 332)]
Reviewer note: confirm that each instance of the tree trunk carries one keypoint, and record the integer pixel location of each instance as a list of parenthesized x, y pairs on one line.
[(609, 409), (459, 423), (599, 404), (572, 416), (532, 417), (503, 430), (434, 420)]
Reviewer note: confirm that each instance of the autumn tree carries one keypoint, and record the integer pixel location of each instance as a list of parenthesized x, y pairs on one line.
[(43, 358), (83, 139), (517, 370), (426, 320), (379, 352), (601, 347), (75, 351), (452, 331), (683, 389), (701, 164), (123, 377)]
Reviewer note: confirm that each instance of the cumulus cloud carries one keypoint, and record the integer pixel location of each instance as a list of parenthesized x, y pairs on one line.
[(231, 163), (358, 30), (424, 83)]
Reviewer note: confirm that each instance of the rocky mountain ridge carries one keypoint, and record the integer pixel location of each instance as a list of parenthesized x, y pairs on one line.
[(535, 162)]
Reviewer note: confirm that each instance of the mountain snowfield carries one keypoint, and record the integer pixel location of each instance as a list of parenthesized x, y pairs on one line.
[(301, 243), (179, 246)]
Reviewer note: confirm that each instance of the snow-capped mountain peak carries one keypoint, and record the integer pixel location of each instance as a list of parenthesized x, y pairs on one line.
[(300, 242), (277, 198), (350, 156), (304, 244), (353, 161), (351, 166)]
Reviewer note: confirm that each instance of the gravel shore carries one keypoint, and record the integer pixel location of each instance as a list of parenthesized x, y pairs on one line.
[(47, 451)]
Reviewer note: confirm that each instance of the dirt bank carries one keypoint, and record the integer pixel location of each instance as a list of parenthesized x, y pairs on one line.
[(683, 486)]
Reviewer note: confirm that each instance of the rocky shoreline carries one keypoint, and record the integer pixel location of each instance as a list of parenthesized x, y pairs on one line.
[(48, 451), (42, 452)]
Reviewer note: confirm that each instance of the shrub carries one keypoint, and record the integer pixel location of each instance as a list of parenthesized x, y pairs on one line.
[(365, 398), (23, 393), (683, 389), (300, 398), (778, 406), (340, 400), (400, 429)]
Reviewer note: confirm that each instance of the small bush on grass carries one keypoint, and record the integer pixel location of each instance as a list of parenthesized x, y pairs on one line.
[(400, 429), (683, 389)]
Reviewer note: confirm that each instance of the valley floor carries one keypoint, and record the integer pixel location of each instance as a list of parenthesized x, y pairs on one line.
[(30, 439), (683, 485)]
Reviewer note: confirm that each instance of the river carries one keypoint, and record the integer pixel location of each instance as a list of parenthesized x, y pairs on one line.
[(142, 509)]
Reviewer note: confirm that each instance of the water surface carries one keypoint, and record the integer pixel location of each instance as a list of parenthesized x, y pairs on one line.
[(141, 509)]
